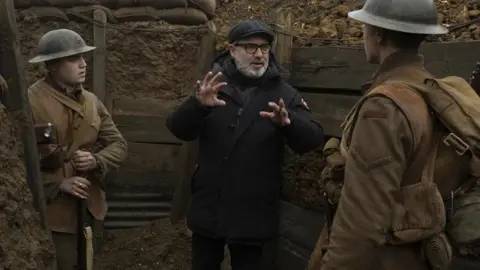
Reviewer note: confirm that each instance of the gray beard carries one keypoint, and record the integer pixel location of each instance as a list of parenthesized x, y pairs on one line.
[(247, 72)]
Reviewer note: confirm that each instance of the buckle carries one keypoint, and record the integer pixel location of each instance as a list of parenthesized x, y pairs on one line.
[(452, 140)]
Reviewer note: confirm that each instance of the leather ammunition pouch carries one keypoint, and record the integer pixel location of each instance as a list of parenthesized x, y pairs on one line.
[(333, 174), (51, 156), (463, 226), (438, 252)]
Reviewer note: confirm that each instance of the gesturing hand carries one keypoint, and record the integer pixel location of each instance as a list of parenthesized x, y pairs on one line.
[(279, 115), (208, 89)]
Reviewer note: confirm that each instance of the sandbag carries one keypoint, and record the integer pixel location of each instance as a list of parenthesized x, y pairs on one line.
[(136, 14), (163, 4), (207, 6), (28, 3), (89, 10), (53, 3), (47, 13), (118, 3), (183, 16), (159, 4), (69, 3)]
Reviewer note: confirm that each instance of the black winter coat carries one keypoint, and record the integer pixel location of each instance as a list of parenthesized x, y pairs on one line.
[(236, 186)]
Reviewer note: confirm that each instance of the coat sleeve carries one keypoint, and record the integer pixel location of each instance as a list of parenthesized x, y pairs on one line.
[(114, 147), (304, 133), (381, 144), (186, 120)]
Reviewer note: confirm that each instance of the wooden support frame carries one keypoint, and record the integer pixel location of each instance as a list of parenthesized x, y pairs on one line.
[(100, 55), (12, 67), (187, 162), (284, 41), (346, 67)]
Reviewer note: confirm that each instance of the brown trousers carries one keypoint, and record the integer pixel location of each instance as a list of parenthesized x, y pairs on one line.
[(66, 245)]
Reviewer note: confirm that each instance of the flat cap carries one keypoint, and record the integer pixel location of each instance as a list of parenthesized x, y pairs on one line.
[(249, 28)]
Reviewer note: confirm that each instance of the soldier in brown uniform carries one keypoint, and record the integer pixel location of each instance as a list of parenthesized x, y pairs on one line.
[(88, 145), (386, 142)]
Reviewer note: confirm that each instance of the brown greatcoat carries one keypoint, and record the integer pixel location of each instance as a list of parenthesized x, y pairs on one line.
[(381, 142), (82, 122)]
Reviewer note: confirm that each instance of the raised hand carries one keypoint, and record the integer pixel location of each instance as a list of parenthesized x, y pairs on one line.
[(278, 115), (208, 89)]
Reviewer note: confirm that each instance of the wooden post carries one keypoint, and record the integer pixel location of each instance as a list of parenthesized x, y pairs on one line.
[(189, 150), (100, 55), (284, 40), (283, 49), (12, 68)]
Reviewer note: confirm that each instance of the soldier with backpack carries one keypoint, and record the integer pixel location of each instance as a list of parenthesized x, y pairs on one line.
[(402, 183)]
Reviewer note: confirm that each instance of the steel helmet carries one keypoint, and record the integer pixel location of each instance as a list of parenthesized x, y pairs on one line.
[(407, 16), (59, 43)]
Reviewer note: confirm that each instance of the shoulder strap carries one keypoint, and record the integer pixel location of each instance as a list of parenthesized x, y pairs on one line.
[(417, 113)]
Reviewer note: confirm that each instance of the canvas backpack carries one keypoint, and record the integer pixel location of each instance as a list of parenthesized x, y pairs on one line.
[(457, 106)]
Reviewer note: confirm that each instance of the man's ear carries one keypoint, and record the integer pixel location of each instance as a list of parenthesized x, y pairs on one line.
[(231, 49)]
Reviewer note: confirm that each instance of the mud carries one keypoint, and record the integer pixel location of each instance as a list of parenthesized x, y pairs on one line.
[(23, 242), (159, 246), (152, 60), (323, 22)]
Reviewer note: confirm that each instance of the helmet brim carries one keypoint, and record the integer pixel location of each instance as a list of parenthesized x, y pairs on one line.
[(47, 57), (395, 25)]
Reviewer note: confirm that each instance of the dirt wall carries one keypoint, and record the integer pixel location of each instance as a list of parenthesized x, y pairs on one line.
[(23, 243), (144, 59)]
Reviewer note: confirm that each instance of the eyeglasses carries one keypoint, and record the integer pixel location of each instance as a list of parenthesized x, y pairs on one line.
[(252, 48)]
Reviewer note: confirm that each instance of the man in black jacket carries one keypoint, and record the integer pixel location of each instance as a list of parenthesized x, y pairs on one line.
[(242, 114)]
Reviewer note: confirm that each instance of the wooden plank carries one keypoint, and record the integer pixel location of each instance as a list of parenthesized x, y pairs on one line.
[(284, 41), (147, 156), (100, 55), (144, 129), (143, 106), (135, 181), (347, 68), (330, 110), (181, 200), (300, 226), (12, 68), (299, 231)]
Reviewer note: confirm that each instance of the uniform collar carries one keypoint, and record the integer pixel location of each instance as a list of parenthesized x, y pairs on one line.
[(396, 66)]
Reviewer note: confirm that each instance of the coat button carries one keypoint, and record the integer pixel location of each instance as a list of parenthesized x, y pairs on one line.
[(225, 158)]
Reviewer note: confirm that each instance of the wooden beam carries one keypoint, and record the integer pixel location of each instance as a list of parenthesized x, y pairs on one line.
[(100, 55), (330, 110), (284, 41), (12, 67), (181, 200), (143, 120), (347, 68), (144, 129)]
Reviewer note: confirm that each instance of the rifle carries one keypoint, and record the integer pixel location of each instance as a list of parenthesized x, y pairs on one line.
[(475, 79), (84, 234)]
